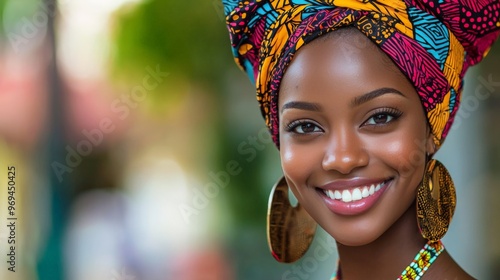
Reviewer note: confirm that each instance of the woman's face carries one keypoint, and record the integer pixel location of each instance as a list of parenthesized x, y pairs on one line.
[(353, 137)]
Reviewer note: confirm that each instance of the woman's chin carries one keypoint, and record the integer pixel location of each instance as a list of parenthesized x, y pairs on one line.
[(355, 239)]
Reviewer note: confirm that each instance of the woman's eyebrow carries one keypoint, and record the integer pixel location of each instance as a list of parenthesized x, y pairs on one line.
[(374, 94), (302, 106)]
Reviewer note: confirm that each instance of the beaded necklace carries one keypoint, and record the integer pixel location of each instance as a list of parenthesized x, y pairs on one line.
[(418, 266)]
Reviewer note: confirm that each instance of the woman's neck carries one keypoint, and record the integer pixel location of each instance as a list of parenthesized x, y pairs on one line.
[(387, 256)]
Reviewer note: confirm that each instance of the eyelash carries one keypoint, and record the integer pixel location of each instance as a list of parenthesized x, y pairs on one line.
[(391, 112), (294, 124)]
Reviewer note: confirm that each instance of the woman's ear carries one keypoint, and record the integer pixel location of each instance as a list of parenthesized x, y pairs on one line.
[(430, 148)]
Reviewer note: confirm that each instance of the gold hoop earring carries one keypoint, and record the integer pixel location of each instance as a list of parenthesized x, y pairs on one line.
[(290, 230), (436, 200)]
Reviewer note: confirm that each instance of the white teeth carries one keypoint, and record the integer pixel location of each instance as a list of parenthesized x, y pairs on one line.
[(372, 189), (330, 194), (353, 194), (346, 196), (356, 194), (338, 195), (365, 192)]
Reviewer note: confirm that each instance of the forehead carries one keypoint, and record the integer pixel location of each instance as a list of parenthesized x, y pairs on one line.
[(343, 62)]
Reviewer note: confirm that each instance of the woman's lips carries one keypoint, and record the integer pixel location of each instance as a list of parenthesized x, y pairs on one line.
[(353, 197)]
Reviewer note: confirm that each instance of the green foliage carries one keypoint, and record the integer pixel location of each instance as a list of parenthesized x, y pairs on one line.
[(186, 38), (12, 13), (2, 6), (190, 41)]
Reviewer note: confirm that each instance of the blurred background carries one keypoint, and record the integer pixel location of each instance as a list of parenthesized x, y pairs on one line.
[(140, 152)]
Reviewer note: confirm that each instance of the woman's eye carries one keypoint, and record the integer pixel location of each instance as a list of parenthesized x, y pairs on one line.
[(382, 118), (303, 128)]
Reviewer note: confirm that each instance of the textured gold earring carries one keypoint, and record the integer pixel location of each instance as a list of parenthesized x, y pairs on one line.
[(290, 230), (436, 200)]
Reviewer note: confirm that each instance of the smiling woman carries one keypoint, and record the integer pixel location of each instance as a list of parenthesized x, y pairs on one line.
[(346, 159), (359, 96)]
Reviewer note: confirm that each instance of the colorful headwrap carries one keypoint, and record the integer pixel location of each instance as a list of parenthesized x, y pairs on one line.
[(433, 42)]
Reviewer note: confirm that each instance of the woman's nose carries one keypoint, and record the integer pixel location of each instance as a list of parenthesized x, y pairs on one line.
[(345, 152)]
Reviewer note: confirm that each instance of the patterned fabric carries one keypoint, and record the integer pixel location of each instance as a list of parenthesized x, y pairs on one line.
[(433, 42), (418, 266)]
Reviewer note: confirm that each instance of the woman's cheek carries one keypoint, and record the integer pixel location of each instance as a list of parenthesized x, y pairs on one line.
[(404, 153), (298, 162)]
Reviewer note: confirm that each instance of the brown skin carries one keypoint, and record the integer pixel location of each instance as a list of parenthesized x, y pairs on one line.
[(385, 137)]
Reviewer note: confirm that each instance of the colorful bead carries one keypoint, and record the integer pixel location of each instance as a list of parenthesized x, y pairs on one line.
[(418, 266), (422, 261)]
